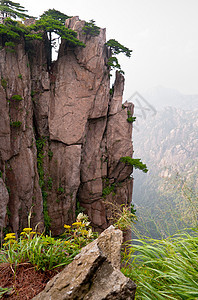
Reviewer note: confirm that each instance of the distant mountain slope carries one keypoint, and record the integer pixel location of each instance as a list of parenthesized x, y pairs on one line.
[(168, 144)]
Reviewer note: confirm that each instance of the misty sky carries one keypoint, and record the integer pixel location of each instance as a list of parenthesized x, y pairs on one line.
[(163, 35)]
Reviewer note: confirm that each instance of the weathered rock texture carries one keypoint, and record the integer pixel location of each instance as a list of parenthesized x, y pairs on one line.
[(80, 130), (94, 274)]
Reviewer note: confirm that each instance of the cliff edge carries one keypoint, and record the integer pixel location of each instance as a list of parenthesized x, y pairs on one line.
[(62, 134)]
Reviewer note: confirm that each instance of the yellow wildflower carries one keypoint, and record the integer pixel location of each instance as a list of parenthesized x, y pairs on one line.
[(32, 232), (77, 224), (10, 236), (23, 233), (67, 226), (27, 230)]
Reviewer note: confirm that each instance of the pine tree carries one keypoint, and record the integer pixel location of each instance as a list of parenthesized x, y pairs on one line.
[(49, 25), (56, 15), (12, 9)]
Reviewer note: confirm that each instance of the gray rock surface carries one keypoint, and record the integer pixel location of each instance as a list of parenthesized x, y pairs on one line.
[(94, 274)]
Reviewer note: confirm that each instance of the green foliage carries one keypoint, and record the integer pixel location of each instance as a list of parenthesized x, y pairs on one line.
[(117, 48), (113, 63), (4, 291), (91, 29), (126, 216), (10, 47), (50, 154), (4, 83), (79, 208), (33, 93), (108, 190), (56, 15), (60, 190), (135, 162), (40, 143), (48, 24), (9, 8), (43, 251), (49, 183), (17, 97), (16, 124), (164, 269), (1, 174), (130, 118), (10, 44), (20, 76), (15, 30), (8, 211)]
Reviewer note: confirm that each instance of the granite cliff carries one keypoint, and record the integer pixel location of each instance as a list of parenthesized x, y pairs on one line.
[(62, 134)]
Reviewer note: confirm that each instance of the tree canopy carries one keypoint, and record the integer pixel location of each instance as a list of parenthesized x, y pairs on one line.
[(12, 9), (55, 14), (91, 29), (52, 22), (117, 48)]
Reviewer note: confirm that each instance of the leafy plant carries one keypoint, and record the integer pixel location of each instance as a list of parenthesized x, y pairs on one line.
[(113, 63), (49, 183), (17, 97), (43, 251), (60, 190), (16, 124), (164, 269), (91, 29), (79, 208), (10, 47), (117, 48), (4, 83), (108, 190), (135, 162), (50, 154), (4, 291), (125, 217), (130, 118), (40, 143), (20, 76)]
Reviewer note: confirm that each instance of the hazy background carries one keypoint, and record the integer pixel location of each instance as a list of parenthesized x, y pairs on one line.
[(163, 35)]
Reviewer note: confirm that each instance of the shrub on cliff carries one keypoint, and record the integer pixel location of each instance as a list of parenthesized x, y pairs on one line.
[(117, 48), (91, 29), (135, 162)]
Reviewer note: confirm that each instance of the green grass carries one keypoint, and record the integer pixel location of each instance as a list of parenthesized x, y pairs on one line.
[(164, 269), (43, 251)]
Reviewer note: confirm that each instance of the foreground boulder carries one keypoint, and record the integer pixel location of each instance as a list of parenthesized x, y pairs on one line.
[(94, 274)]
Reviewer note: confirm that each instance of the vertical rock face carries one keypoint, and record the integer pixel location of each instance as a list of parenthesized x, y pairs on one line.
[(80, 130)]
